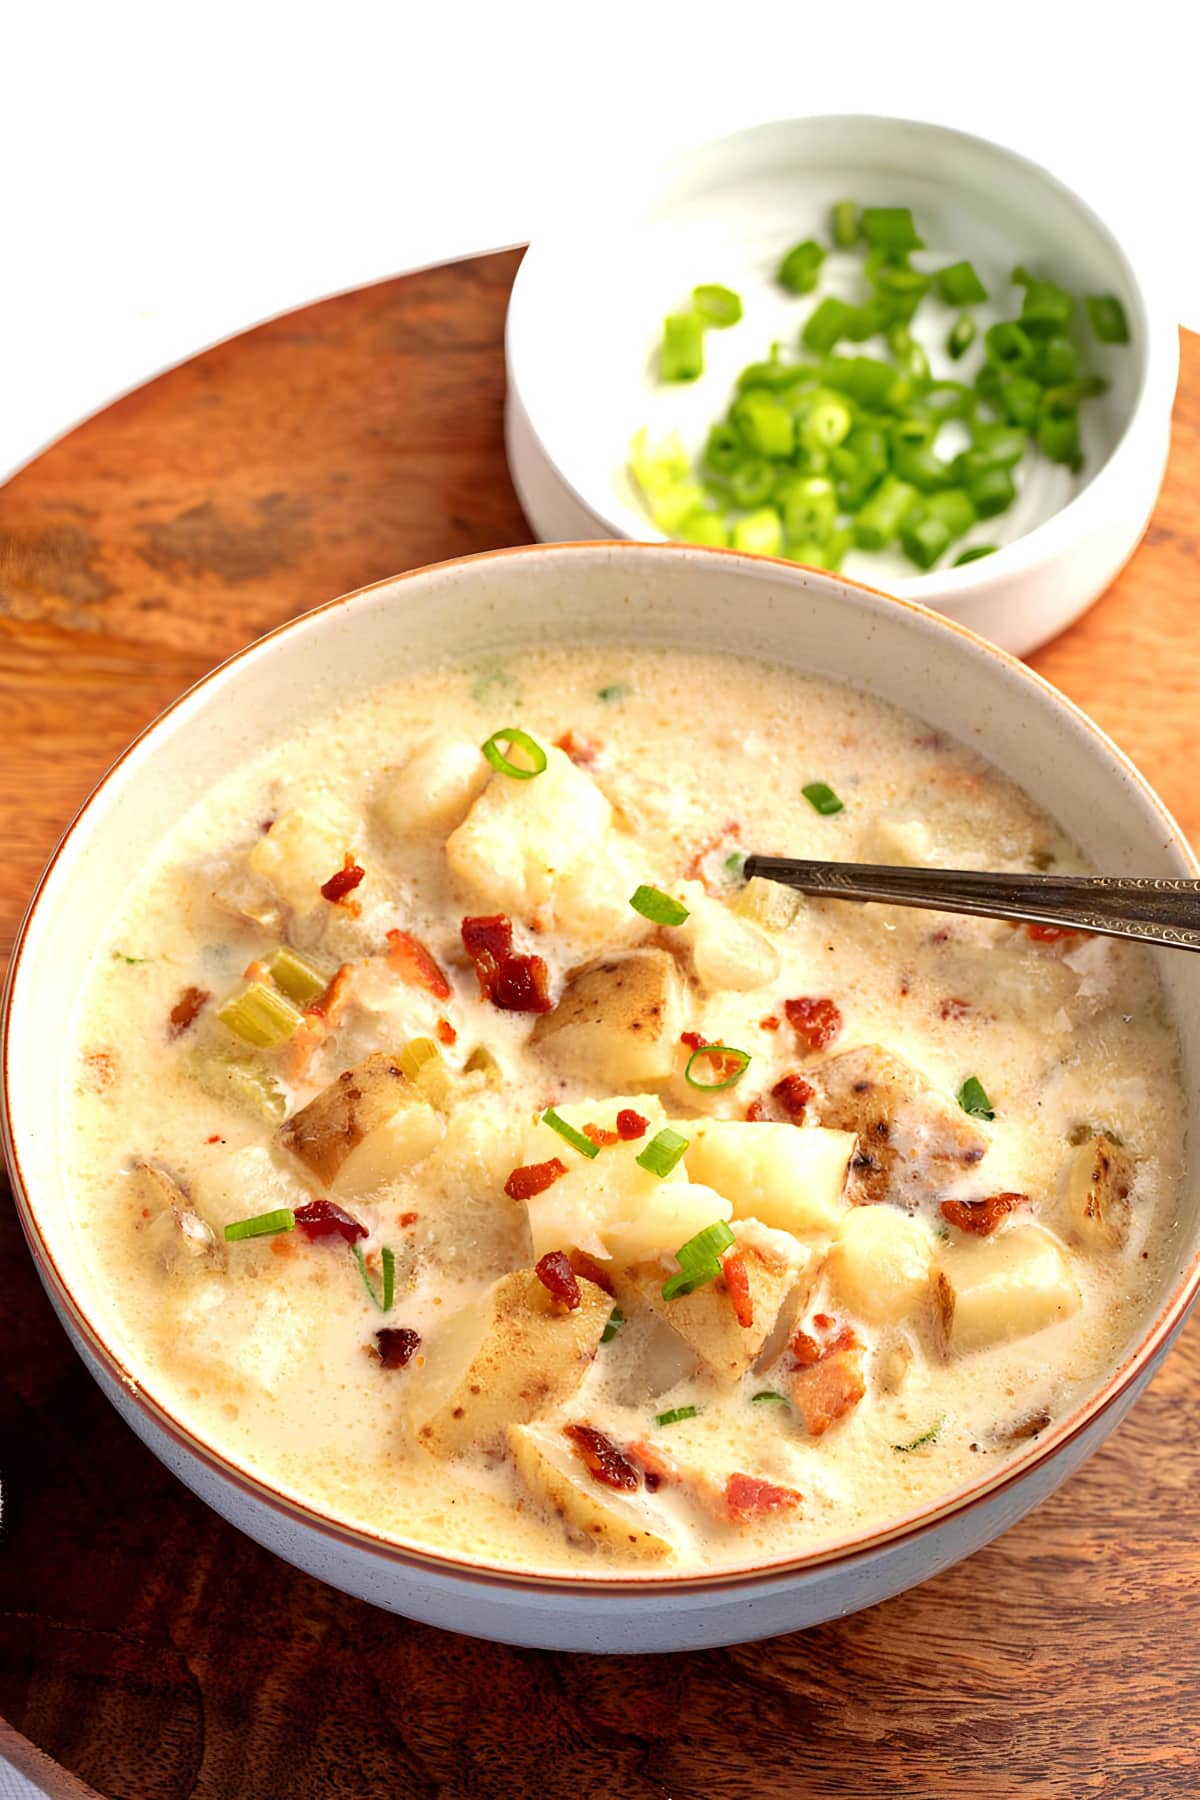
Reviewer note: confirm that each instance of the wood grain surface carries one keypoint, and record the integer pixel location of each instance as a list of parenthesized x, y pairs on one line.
[(157, 1654)]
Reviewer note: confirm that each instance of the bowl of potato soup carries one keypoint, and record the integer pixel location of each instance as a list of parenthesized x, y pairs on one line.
[(482, 1195)]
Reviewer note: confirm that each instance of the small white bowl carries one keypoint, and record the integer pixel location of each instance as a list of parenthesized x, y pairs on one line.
[(659, 594), (586, 313)]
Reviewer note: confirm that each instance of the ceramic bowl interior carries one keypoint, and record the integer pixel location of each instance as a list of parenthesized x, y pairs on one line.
[(614, 593), (726, 212)]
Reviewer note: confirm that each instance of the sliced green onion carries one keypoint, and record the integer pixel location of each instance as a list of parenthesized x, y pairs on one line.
[(845, 224), (954, 507), (688, 1280), (943, 400), (717, 305), (734, 864), (926, 1437), (752, 483), (760, 532), (662, 1152), (809, 504), (921, 467), (616, 1319), (959, 285), (576, 1139), (681, 354), (974, 553), (516, 739), (826, 421), (769, 1397), (999, 446), (821, 798), (961, 336), (924, 539), (1009, 348), (800, 269), (703, 1053), (1020, 399), (266, 1224), (992, 491), (707, 1246), (764, 424), (723, 449), (867, 379), (890, 230), (1106, 316), (884, 513), (616, 691), (658, 907), (972, 1097), (1021, 276), (261, 1016), (383, 1299), (824, 325), (298, 978), (1055, 360), (1058, 437), (1046, 309), (676, 1415), (1066, 398)]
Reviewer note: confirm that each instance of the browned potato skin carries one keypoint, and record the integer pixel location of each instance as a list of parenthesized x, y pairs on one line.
[(618, 1018), (705, 1319), (603, 1517), (1098, 1187), (531, 1356), (323, 1133), (868, 1091)]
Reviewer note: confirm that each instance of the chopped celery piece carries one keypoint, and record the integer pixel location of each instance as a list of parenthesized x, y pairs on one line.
[(681, 354), (422, 1062), (482, 1062), (760, 532), (295, 976), (261, 1016), (767, 903), (241, 1081)]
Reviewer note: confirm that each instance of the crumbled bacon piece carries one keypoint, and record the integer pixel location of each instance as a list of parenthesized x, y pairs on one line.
[(216, 1138), (695, 867), (513, 982), (256, 971), (588, 1269), (320, 1017), (747, 1498), (446, 1032), (581, 750), (737, 1282), (397, 1345), (488, 939), (981, 1217), (603, 1459), (834, 1337), (793, 1094), (100, 1068), (1050, 934), (770, 1023), (556, 1275), (631, 1125), (413, 963), (331, 1004), (343, 882), (534, 1178), (695, 1040), (757, 1111), (952, 1008), (406, 1219), (323, 1219), (829, 1378), (187, 1010), (523, 985), (601, 1136), (816, 1022)]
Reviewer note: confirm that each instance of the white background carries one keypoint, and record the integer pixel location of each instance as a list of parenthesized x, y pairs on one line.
[(174, 172)]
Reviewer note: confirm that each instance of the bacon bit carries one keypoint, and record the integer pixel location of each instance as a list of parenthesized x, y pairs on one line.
[(694, 870), (770, 1023), (954, 1009), (282, 1246), (631, 1125), (737, 1283), (793, 1094), (758, 1111), (1050, 934), (600, 1136), (397, 1345), (748, 1498), (186, 1010), (101, 1067), (216, 1138), (343, 883), (333, 1002), (815, 1022), (834, 1337), (824, 1394), (981, 1217), (406, 1219), (413, 963), (513, 983), (446, 1032), (264, 825), (588, 1269), (556, 1275), (603, 1459), (534, 1178), (256, 971), (323, 1219), (695, 1040), (320, 1018), (581, 750)]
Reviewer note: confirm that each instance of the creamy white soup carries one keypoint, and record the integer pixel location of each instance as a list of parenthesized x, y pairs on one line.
[(462, 1144)]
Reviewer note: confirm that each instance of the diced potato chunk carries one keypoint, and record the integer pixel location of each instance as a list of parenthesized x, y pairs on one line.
[(705, 1319), (909, 1133), (788, 1176), (727, 951), (364, 1128), (666, 1216), (303, 848), (1008, 1286), (433, 789), (547, 1463), (908, 842), (1099, 1180), (579, 1207), (509, 1356), (617, 1021), (881, 1266)]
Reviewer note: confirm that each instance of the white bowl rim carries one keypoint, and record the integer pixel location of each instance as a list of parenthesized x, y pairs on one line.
[(1151, 1343), (1034, 549)]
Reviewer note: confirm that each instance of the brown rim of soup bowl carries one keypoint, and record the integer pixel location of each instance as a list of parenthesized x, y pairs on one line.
[(1168, 1320)]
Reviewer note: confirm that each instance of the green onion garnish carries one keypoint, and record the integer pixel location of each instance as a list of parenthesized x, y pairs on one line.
[(676, 1415), (658, 907), (706, 1246), (662, 1152), (515, 739), (262, 1225), (714, 1051), (926, 1437), (717, 305), (681, 354), (845, 224), (734, 863), (261, 1016), (890, 229), (972, 1097), (575, 1138), (961, 336), (387, 1259), (769, 1397), (959, 285), (616, 691), (974, 554), (821, 798), (800, 269), (1106, 316), (616, 1319)]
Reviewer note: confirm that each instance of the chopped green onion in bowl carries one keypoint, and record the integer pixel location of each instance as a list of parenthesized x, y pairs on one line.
[(658, 907), (515, 739)]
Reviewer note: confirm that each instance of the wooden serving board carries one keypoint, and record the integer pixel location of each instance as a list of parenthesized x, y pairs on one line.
[(156, 1653)]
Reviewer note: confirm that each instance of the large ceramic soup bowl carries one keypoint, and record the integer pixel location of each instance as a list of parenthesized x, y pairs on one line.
[(666, 598)]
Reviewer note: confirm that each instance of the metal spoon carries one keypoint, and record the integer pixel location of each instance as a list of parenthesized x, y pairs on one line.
[(1153, 909)]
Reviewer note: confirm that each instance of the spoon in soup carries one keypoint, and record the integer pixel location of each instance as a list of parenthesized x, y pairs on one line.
[(1153, 909)]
